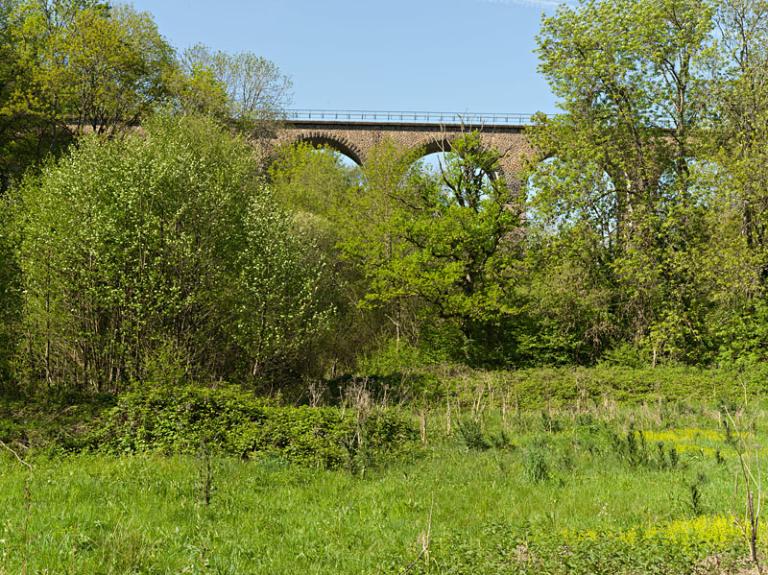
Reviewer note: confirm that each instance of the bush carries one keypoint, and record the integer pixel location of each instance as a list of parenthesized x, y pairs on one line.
[(533, 389), (162, 252), (10, 300), (471, 432), (230, 421)]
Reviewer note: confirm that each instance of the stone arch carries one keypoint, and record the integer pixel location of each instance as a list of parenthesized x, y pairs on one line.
[(355, 139), (339, 144), (445, 144), (430, 146)]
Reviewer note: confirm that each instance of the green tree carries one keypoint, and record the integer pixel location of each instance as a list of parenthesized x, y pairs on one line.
[(282, 293), (451, 240), (7, 71), (159, 251), (196, 90), (72, 66), (620, 186), (316, 187), (10, 295), (737, 152), (257, 91), (115, 69)]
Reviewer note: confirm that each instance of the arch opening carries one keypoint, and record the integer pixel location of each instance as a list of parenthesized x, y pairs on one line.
[(434, 162), (560, 195), (435, 153), (347, 150)]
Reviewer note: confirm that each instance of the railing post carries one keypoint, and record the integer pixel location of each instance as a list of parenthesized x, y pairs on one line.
[(417, 116)]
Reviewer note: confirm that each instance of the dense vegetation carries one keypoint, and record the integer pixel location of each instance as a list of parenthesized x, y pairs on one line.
[(217, 355), (186, 251), (580, 485)]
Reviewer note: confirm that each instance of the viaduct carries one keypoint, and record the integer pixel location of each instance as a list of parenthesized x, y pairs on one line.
[(354, 133)]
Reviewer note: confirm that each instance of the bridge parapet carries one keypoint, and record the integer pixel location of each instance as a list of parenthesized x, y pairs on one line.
[(470, 119)]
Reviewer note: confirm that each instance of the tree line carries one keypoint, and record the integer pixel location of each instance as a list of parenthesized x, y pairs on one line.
[(192, 249)]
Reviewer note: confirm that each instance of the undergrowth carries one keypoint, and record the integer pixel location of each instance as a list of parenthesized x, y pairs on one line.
[(214, 480)]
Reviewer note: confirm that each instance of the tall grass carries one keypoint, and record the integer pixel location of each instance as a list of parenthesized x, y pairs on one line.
[(562, 482)]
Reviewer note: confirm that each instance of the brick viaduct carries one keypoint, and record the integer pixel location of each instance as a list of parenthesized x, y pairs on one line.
[(353, 134)]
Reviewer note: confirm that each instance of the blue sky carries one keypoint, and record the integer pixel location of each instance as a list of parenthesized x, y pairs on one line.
[(434, 55)]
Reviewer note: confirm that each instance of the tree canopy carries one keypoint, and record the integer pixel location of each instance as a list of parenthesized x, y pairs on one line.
[(192, 249), (166, 248)]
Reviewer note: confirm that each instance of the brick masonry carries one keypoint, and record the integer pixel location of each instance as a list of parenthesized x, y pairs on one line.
[(355, 139)]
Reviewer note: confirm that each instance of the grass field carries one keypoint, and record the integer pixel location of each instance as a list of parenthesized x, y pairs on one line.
[(605, 489)]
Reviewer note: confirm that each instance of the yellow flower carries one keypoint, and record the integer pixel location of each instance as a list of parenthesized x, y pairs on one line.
[(715, 530)]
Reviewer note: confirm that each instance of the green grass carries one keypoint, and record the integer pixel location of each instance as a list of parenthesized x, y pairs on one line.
[(597, 507)]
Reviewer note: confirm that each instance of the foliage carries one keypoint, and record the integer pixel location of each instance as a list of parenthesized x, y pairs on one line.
[(229, 421), (447, 242), (51, 425), (641, 240), (10, 297), (472, 435), (256, 90), (70, 67), (281, 305), (450, 246), (112, 71), (163, 244), (735, 151), (74, 66), (313, 184), (620, 190)]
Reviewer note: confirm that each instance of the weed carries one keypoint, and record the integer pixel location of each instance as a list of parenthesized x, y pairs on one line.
[(536, 465), (549, 423), (752, 487), (501, 440), (694, 489), (674, 458), (206, 474), (471, 432), (566, 461)]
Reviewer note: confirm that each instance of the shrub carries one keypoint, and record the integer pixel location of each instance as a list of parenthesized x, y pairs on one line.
[(162, 247), (230, 421), (472, 435)]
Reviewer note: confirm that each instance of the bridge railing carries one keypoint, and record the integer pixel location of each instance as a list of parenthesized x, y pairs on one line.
[(457, 118)]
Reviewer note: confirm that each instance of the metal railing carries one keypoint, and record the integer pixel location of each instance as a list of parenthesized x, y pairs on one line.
[(448, 118)]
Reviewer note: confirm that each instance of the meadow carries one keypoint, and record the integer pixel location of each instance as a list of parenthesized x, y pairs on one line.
[(596, 486), (221, 353)]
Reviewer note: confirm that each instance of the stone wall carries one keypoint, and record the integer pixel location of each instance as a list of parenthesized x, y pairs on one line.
[(355, 139)]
